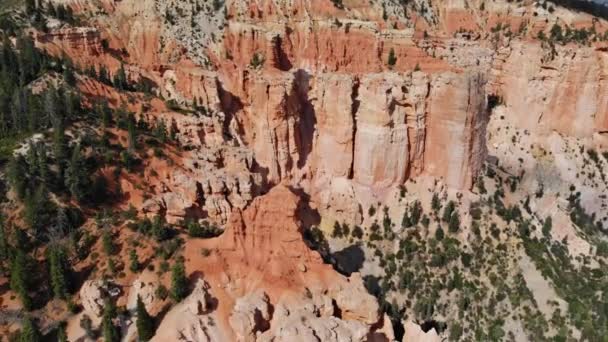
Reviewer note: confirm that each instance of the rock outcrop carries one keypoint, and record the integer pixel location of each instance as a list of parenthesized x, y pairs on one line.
[(92, 294), (414, 333), (265, 284)]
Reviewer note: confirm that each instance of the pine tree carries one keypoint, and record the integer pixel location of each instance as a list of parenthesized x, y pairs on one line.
[(111, 266), (161, 131), (4, 246), (50, 104), (392, 59), (145, 322), (448, 211), (179, 282), (108, 245), (131, 133), (32, 115), (29, 331), (22, 242), (59, 143), (31, 157), (42, 164), (110, 333), (19, 110), (62, 225), (134, 266), (454, 223), (39, 210), (547, 225), (103, 75), (91, 72), (120, 78), (439, 234), (16, 173), (68, 76), (20, 272), (435, 203), (59, 271), (158, 229), (76, 176), (5, 249), (106, 115)]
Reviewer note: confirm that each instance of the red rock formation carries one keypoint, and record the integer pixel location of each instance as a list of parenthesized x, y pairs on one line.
[(261, 261)]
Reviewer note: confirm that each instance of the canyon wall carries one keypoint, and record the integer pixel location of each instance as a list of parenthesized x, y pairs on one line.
[(323, 106), (315, 111)]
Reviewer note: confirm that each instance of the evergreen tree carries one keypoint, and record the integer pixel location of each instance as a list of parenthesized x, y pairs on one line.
[(50, 104), (158, 229), (42, 164), (59, 143), (32, 116), (134, 266), (111, 266), (179, 282), (68, 75), (547, 225), (103, 75), (142, 124), (16, 173), (107, 243), (145, 322), (392, 58), (22, 242), (31, 157), (131, 133), (4, 246), (20, 281), (448, 211), (120, 78), (110, 333), (19, 109), (91, 72), (59, 271), (435, 203), (416, 212), (160, 131), (406, 222), (454, 223), (77, 178), (39, 210), (439, 234), (62, 225), (29, 331), (106, 115)]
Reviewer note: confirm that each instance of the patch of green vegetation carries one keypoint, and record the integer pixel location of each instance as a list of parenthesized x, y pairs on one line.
[(9, 144)]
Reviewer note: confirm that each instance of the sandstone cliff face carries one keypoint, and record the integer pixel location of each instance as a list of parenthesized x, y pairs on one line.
[(325, 111), (565, 93)]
